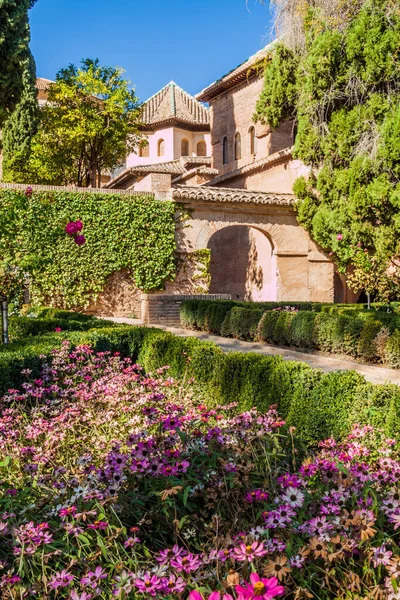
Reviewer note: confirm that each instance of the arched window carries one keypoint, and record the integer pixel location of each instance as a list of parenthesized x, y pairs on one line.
[(238, 146), (225, 157), (144, 150), (201, 148), (160, 148), (252, 140), (184, 147)]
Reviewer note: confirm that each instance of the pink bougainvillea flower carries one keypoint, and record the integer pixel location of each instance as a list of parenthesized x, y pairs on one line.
[(58, 329), (28, 191), (70, 228), (78, 226), (339, 237), (80, 240), (259, 589)]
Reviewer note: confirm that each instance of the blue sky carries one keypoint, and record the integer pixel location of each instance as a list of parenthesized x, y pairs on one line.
[(192, 42)]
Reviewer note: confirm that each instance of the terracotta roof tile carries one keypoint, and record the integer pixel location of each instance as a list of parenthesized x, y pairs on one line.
[(230, 195), (43, 84), (172, 103)]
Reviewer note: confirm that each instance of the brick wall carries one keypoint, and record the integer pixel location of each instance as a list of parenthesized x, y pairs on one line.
[(160, 309)]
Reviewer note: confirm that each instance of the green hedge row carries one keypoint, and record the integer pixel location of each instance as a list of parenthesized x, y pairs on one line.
[(372, 336), (319, 405), (22, 327)]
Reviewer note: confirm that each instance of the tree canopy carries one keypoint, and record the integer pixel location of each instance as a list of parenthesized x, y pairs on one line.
[(88, 126), (336, 71), (14, 51)]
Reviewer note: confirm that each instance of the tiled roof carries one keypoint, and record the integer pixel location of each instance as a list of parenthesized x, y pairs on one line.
[(43, 84), (261, 163), (237, 75), (174, 167), (230, 195), (173, 104), (203, 170)]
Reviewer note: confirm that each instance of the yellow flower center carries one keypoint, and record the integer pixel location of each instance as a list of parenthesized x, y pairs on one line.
[(248, 549), (259, 588)]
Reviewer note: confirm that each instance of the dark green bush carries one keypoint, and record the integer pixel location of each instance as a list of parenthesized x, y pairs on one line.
[(366, 346), (303, 329), (215, 316), (267, 325), (22, 327), (243, 323), (392, 350)]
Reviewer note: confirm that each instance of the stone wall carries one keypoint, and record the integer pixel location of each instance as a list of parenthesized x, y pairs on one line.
[(165, 309), (120, 298)]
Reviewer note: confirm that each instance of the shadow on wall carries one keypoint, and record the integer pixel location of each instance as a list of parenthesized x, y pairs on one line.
[(242, 264)]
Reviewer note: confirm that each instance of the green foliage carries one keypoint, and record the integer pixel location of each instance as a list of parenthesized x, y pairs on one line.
[(20, 127), (88, 126), (14, 52), (277, 100), (345, 98), (137, 234), (22, 327), (341, 329)]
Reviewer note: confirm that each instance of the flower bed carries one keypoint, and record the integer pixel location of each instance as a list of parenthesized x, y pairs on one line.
[(119, 483)]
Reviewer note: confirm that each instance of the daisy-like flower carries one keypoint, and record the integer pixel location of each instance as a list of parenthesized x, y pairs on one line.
[(381, 556), (249, 553), (62, 579), (318, 548), (93, 577), (259, 588), (165, 556), (187, 564), (195, 595), (277, 568), (149, 584), (173, 584), (293, 497)]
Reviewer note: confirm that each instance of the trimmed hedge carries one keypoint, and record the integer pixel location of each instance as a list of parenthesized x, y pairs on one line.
[(22, 327), (319, 405), (352, 331)]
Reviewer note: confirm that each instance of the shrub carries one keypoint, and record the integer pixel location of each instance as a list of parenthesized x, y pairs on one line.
[(282, 334), (303, 329), (266, 326), (366, 346), (392, 350), (22, 327), (188, 311), (215, 315), (243, 322)]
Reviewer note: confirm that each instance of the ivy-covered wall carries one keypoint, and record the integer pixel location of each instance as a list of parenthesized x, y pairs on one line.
[(136, 234)]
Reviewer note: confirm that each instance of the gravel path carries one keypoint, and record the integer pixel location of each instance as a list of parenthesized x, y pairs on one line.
[(372, 373)]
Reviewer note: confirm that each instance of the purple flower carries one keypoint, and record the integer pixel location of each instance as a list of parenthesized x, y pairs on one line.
[(80, 240), (93, 577), (62, 579), (149, 584)]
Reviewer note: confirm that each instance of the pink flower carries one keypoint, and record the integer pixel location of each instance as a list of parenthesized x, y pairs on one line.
[(78, 226), (149, 584), (70, 228), (28, 191), (249, 552), (58, 329), (259, 589), (80, 240), (339, 237)]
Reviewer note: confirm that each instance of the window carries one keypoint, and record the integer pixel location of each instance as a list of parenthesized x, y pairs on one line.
[(225, 156), (144, 150), (252, 140), (160, 148), (238, 146), (184, 147), (201, 148)]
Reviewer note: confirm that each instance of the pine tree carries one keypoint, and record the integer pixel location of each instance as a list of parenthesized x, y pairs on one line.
[(20, 127), (14, 43)]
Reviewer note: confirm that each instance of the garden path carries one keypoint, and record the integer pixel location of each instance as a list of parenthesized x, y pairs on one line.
[(372, 373)]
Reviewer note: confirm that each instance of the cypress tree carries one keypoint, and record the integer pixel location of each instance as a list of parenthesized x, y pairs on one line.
[(14, 43), (21, 126)]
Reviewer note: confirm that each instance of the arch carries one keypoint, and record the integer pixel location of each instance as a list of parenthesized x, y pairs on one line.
[(201, 148), (252, 140), (273, 231), (160, 147), (184, 147), (242, 263), (144, 150), (238, 146), (225, 154)]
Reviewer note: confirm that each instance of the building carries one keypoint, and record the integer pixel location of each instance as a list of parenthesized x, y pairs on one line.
[(240, 196)]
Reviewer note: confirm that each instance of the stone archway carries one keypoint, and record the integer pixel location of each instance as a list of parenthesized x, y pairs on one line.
[(242, 264)]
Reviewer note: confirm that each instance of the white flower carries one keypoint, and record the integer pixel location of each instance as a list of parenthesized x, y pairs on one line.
[(293, 496)]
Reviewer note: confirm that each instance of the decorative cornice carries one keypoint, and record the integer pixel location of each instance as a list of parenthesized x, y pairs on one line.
[(262, 163), (183, 193), (204, 170), (247, 70)]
